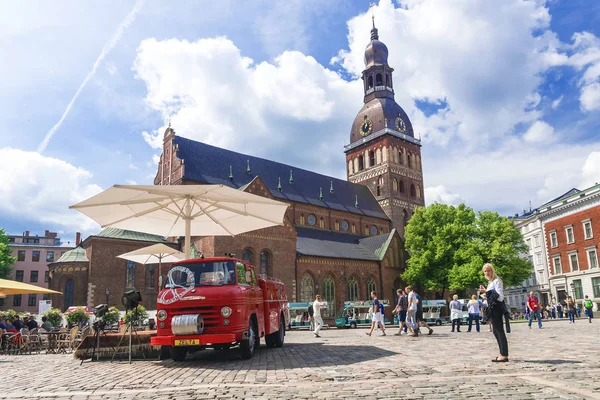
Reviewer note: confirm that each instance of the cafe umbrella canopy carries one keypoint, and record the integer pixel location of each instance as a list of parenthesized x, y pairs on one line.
[(8, 287), (182, 210), (151, 254)]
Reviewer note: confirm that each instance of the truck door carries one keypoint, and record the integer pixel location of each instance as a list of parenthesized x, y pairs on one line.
[(258, 301)]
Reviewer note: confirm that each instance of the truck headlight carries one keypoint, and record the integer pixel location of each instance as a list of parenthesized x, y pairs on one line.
[(226, 312), (161, 315)]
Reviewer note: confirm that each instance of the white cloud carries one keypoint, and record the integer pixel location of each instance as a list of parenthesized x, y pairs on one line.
[(41, 189), (590, 97), (539, 132), (440, 194), (557, 102), (591, 170), (155, 160)]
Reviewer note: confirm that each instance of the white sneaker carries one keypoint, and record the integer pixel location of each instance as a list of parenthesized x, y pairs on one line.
[(402, 333)]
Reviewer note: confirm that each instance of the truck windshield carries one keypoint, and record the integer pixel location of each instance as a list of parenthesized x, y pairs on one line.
[(201, 274)]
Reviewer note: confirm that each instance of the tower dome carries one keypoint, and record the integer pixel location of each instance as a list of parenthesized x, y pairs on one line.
[(376, 52)]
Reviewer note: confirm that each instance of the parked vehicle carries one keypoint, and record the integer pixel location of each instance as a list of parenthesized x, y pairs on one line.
[(356, 313), (432, 310), (219, 303), (299, 314)]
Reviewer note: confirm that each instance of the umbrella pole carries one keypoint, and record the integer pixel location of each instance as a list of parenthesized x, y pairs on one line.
[(188, 228)]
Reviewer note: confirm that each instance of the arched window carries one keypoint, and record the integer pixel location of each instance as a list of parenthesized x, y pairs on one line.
[(370, 82), (69, 293), (321, 223), (130, 279), (247, 255), (418, 191), (353, 294), (361, 163), (378, 80), (387, 79), (307, 287), (413, 192), (265, 263), (302, 219), (396, 287), (328, 294), (395, 185), (409, 160), (400, 158), (371, 287), (404, 217), (371, 158), (350, 167), (401, 187), (337, 225), (367, 230), (353, 228), (150, 276)]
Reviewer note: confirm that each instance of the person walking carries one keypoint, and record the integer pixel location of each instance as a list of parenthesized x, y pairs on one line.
[(401, 309), (318, 320), (494, 294), (533, 305), (311, 313), (588, 306), (411, 314), (419, 316), (456, 312), (475, 305), (377, 315), (571, 310)]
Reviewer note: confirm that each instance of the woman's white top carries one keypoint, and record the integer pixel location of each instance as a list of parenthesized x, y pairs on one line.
[(497, 285)]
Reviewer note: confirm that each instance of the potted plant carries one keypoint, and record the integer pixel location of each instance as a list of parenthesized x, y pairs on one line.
[(137, 315), (54, 316), (77, 317)]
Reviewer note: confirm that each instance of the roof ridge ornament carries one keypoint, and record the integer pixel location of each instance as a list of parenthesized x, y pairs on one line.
[(356, 201), (230, 173), (331, 187), (321, 193), (279, 185), (291, 177), (248, 168)]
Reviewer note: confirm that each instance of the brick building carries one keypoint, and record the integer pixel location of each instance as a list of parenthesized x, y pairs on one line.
[(91, 274), (33, 253), (340, 238)]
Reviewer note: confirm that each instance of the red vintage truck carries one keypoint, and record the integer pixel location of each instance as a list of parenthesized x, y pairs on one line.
[(220, 303)]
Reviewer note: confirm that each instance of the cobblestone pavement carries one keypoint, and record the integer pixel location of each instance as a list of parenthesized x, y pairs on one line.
[(559, 361)]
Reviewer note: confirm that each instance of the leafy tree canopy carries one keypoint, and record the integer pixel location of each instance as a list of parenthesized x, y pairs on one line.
[(6, 259), (448, 246)]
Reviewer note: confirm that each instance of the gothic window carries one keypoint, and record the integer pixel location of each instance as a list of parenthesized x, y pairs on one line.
[(404, 217), (401, 187), (366, 229), (150, 272), (378, 80), (353, 289), (321, 223), (418, 191), (353, 228), (370, 287), (337, 225), (378, 190), (387, 80), (350, 167), (370, 82), (371, 158), (328, 294), (361, 163), (130, 279), (409, 160), (247, 255), (265, 263), (412, 190), (395, 185), (307, 288), (302, 219), (400, 158), (69, 293)]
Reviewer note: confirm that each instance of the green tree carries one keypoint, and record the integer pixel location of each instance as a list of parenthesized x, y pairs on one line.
[(448, 246), (432, 237), (6, 259)]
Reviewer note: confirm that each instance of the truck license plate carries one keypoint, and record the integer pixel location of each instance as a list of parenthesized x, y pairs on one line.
[(187, 342)]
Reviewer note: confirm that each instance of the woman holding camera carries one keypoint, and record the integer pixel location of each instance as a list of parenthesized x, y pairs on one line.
[(494, 294)]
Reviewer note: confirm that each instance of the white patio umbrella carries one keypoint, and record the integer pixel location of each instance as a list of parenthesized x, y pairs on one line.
[(151, 254), (182, 210)]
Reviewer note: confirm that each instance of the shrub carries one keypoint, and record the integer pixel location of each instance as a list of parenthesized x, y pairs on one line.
[(10, 313), (112, 316), (137, 315), (78, 315), (54, 317)]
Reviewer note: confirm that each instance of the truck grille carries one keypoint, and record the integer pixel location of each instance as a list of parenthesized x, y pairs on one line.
[(210, 314)]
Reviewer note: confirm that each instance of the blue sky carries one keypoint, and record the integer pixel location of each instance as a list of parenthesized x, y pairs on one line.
[(506, 95)]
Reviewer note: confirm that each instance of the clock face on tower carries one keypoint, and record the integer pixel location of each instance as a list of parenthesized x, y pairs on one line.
[(400, 125), (366, 128)]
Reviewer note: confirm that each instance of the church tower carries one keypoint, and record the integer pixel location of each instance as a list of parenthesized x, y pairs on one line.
[(383, 153)]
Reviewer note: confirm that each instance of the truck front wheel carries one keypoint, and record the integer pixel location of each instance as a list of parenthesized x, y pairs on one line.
[(248, 345), (177, 353)]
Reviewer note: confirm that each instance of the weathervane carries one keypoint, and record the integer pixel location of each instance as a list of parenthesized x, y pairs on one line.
[(372, 7)]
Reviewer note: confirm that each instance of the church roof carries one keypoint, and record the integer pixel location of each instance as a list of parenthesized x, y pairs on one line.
[(75, 255), (313, 242), (208, 164), (130, 235)]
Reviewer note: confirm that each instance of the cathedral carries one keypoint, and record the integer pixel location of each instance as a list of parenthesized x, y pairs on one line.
[(340, 238)]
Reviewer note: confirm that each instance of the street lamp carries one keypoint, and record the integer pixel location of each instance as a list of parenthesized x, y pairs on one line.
[(107, 291)]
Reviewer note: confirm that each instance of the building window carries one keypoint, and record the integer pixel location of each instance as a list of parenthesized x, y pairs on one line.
[(46, 276), (32, 301), (33, 277), (312, 220), (401, 187), (19, 275), (46, 297), (418, 191), (366, 230), (538, 258), (302, 219), (536, 239), (130, 278), (70, 293), (49, 256), (587, 229), (370, 287), (378, 80), (578, 288), (596, 286), (371, 158), (345, 225), (337, 225), (409, 160), (247, 255), (361, 163), (328, 294), (592, 257), (35, 256), (553, 239), (528, 242), (353, 228), (413, 192), (370, 82), (321, 223), (395, 184), (21, 255), (265, 263), (569, 232), (352, 289), (401, 157), (557, 265), (150, 272), (574, 262), (17, 300), (307, 288)]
